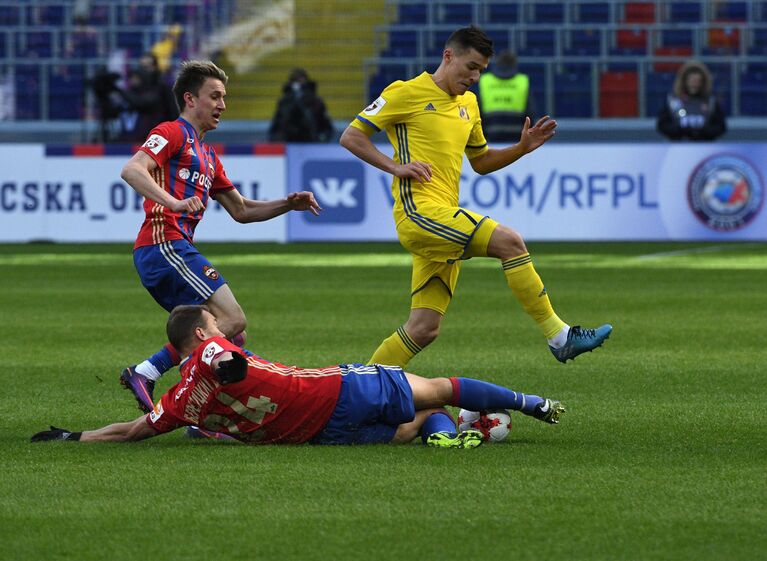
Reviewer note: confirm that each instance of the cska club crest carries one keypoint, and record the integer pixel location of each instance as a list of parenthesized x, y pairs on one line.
[(210, 272)]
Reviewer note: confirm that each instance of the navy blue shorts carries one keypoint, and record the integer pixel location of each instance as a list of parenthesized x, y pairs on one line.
[(176, 273), (373, 402)]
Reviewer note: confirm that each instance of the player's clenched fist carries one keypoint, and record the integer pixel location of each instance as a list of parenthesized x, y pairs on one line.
[(192, 204), (304, 200)]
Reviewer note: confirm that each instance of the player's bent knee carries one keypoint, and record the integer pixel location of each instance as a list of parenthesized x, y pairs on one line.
[(506, 243), (423, 333)]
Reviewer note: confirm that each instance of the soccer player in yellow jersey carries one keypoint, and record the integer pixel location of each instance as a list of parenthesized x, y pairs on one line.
[(431, 121)]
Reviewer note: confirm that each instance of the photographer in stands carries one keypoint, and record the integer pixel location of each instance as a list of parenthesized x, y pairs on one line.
[(301, 115), (691, 111)]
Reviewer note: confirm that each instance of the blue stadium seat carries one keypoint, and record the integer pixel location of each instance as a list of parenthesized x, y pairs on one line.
[(412, 13), (142, 14), (758, 42), (180, 13), (538, 42), (10, 16), (538, 84), (721, 75), (402, 43), (500, 39), (457, 14), (584, 42), (131, 41), (39, 44), (502, 12), (65, 97), (657, 86), (549, 13), (753, 85), (84, 44), (436, 43), (387, 73), (593, 12), (572, 92), (98, 14), (676, 37), (3, 44), (731, 11), (50, 14), (685, 12), (27, 92)]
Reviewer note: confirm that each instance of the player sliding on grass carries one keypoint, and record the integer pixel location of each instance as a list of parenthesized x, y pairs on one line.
[(177, 172), (431, 121), (261, 402)]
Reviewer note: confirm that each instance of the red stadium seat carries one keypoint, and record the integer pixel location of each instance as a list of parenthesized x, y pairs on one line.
[(671, 65), (639, 12), (618, 94)]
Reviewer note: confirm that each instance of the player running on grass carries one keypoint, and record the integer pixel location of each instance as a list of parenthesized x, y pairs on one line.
[(432, 121), (177, 173), (261, 402)]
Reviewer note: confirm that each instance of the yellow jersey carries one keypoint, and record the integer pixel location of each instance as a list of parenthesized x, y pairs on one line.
[(425, 124)]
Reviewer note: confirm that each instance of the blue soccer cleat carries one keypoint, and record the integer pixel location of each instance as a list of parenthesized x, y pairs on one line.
[(581, 340), (140, 386)]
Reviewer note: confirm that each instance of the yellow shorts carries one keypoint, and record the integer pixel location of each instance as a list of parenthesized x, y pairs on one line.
[(438, 238)]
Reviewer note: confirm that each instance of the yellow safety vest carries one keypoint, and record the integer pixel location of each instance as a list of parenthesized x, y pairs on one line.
[(499, 94)]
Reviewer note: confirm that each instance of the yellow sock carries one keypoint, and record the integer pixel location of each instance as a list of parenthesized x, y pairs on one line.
[(395, 350), (529, 290)]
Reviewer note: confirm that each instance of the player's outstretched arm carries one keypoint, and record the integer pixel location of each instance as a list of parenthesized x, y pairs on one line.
[(137, 429), (530, 139), (137, 174), (359, 144), (248, 210)]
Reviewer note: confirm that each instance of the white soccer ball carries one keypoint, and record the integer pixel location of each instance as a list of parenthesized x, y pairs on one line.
[(494, 425)]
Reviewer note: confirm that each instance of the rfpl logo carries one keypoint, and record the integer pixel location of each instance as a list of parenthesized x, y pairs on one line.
[(339, 187)]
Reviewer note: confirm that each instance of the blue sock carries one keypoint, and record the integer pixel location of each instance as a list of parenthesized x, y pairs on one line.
[(437, 422), (164, 359), (476, 395)]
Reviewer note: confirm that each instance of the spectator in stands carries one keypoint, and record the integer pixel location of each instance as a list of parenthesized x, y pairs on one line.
[(504, 97), (164, 49), (149, 101), (301, 115), (691, 111)]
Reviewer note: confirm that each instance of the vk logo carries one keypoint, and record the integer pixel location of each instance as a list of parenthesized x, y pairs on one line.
[(339, 187)]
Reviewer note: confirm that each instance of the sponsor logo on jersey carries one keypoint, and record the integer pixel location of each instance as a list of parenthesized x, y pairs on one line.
[(211, 351), (375, 107), (183, 173), (156, 413), (463, 113), (430, 107), (191, 152), (155, 143), (210, 272), (725, 192), (339, 186)]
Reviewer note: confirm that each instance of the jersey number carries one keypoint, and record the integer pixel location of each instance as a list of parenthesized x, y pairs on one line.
[(254, 411)]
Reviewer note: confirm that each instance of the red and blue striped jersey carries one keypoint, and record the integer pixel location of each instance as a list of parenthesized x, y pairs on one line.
[(186, 167), (273, 404)]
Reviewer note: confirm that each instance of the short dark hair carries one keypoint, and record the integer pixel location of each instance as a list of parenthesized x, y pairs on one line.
[(192, 76), (182, 322), (471, 37)]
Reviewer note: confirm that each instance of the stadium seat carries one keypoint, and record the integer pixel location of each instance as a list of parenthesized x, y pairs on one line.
[(412, 13), (436, 43), (573, 92), (141, 14), (455, 14), (538, 83), (730, 11), (538, 42), (639, 12), (502, 12), (753, 85), (657, 86), (27, 84), (131, 41), (593, 12), (387, 73), (685, 12), (500, 39), (546, 12), (583, 42), (402, 43), (758, 44), (65, 95), (3, 44), (35, 44), (618, 94), (10, 16), (633, 40), (676, 37), (721, 73), (48, 14), (680, 53), (724, 40)]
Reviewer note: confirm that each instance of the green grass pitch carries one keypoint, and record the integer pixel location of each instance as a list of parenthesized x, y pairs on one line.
[(661, 455)]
